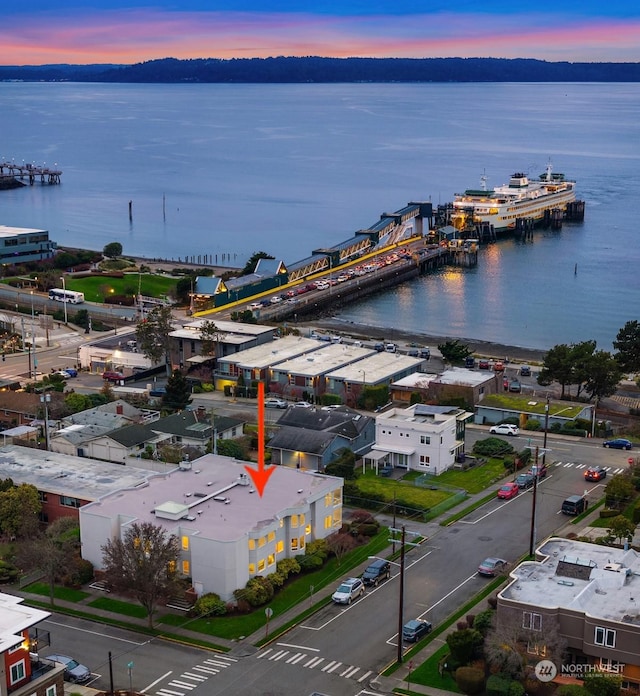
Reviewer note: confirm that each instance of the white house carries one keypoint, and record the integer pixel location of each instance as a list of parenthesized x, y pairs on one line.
[(227, 532), (422, 438)]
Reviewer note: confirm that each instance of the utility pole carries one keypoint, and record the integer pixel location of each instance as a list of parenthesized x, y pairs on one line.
[(546, 429), (403, 532), (532, 537)]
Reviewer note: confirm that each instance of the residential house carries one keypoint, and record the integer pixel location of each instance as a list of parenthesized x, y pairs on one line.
[(312, 438), (66, 483), (584, 596), (498, 407), (24, 673), (22, 408), (227, 532), (421, 438), (459, 383)]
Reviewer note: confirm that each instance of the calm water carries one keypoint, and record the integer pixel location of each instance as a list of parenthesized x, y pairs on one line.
[(232, 169)]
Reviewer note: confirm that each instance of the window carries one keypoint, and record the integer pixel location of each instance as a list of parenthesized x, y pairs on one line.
[(327, 522), (424, 459), (425, 440), (261, 565), (327, 500), (337, 496), (301, 520), (532, 621), (608, 665), (67, 501), (51, 690), (17, 672), (271, 536), (280, 546), (252, 568), (605, 636), (261, 542), (171, 566), (186, 567), (42, 496), (185, 543), (294, 521), (294, 544), (252, 544), (534, 648), (337, 517), (307, 530), (301, 541), (271, 559)]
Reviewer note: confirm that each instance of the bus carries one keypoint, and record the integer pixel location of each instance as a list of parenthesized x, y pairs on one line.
[(66, 296)]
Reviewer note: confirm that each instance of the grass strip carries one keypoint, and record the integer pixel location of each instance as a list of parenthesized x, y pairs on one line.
[(117, 606), (588, 511), (66, 594), (468, 510)]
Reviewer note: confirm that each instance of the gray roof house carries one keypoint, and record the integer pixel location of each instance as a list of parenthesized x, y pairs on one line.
[(311, 438)]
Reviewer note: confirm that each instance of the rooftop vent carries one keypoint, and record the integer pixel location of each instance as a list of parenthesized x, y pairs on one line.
[(613, 567), (199, 495), (243, 479)]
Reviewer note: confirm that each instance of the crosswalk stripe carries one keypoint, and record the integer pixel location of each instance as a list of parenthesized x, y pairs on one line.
[(580, 466), (196, 677), (168, 692), (607, 468), (293, 657), (314, 662), (206, 670), (567, 465), (182, 684), (280, 654), (364, 676), (618, 471), (265, 653), (333, 669), (351, 672), (328, 666), (295, 662)]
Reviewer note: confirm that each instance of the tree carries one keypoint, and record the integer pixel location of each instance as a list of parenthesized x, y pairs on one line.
[(251, 264), (77, 402), (143, 562), (152, 335), (603, 376), (232, 448), (178, 392), (339, 544), (112, 250), (621, 528), (52, 551), (210, 337), (618, 491), (454, 352), (465, 645), (602, 684), (627, 344), (557, 366), (19, 510), (343, 465)]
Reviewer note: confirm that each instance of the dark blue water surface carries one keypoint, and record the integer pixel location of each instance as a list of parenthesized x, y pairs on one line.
[(232, 169)]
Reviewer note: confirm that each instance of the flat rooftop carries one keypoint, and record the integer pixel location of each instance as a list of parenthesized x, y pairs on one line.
[(6, 231), (320, 362), (454, 375), (600, 581), (230, 327), (375, 368), (62, 474), (270, 354), (210, 497), (16, 617)]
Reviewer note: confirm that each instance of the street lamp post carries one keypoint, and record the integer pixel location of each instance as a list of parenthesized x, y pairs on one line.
[(32, 347), (46, 399), (64, 299)]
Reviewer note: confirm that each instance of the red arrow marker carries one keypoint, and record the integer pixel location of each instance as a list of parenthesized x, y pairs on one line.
[(260, 476)]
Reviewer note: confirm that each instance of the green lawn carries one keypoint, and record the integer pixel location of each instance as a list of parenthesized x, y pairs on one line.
[(300, 591), (477, 478), (119, 607), (406, 491), (65, 593), (97, 288), (429, 674)]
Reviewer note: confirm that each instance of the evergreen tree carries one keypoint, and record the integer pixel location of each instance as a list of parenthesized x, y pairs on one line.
[(178, 392)]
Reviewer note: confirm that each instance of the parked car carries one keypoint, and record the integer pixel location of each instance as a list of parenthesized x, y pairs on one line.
[(303, 404), (574, 505), (158, 392), (425, 353), (470, 362), (525, 480), (525, 371), (515, 386), (273, 402), (112, 376), (391, 347), (379, 347), (492, 567), (350, 589), (376, 571), (618, 443), (415, 629), (73, 670), (595, 473), (504, 429), (484, 364), (255, 305), (71, 371), (498, 366), (60, 373), (539, 470), (508, 491)]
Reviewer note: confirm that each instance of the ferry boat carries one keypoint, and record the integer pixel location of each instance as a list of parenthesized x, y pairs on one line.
[(520, 198)]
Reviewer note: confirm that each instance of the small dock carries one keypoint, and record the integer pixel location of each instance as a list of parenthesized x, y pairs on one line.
[(31, 172)]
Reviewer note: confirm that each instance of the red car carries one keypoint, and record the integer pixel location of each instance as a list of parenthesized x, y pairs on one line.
[(508, 491), (112, 376), (595, 473)]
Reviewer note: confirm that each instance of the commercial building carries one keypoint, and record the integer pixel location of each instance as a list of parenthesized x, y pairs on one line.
[(24, 245), (585, 596), (227, 532)]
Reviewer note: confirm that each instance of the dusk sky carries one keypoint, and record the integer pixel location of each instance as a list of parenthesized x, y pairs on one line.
[(114, 31)]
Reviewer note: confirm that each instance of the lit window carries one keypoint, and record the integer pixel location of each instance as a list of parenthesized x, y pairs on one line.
[(17, 672), (186, 567), (327, 522), (294, 520), (271, 559), (185, 543), (280, 546), (327, 500), (337, 496), (337, 517), (261, 565), (261, 542), (281, 524), (301, 520), (294, 544), (307, 530), (252, 544), (271, 536), (252, 568), (301, 542)]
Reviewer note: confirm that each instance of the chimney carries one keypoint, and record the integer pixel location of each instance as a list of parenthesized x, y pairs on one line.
[(119, 409), (202, 412)]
